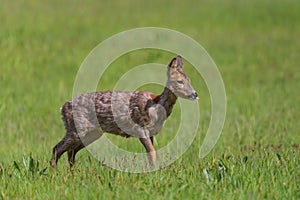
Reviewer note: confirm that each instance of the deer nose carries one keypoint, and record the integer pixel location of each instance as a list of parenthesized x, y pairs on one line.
[(195, 95)]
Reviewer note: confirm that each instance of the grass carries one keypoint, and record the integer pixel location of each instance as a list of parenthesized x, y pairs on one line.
[(255, 45)]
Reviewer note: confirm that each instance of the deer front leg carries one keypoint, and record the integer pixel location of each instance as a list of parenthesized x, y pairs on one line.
[(148, 144)]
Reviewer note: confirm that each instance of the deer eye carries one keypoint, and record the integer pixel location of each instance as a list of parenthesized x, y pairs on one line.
[(180, 82)]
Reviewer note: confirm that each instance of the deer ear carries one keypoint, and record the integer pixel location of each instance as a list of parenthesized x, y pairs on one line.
[(179, 62), (176, 63), (173, 63)]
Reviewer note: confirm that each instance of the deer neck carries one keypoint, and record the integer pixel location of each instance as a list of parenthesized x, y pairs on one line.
[(167, 100)]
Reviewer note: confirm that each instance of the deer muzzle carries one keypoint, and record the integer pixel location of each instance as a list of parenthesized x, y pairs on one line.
[(194, 96)]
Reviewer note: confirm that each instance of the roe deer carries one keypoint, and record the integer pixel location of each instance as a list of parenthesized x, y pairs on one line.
[(140, 114)]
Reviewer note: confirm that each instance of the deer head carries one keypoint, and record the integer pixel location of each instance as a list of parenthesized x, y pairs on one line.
[(178, 82)]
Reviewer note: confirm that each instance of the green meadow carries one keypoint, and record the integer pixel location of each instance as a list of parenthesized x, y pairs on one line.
[(255, 45)]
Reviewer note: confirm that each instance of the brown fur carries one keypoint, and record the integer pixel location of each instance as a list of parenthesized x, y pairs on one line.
[(139, 114)]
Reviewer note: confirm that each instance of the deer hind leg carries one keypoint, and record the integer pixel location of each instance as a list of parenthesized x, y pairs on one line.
[(84, 141), (148, 144), (64, 145), (72, 153)]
